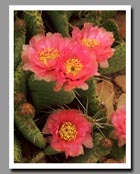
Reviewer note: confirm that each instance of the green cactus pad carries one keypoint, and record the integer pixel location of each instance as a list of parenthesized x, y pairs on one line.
[(20, 80), (93, 155), (29, 130), (19, 40), (118, 62), (17, 150), (59, 21), (107, 14), (43, 96), (34, 23), (89, 97), (94, 17)]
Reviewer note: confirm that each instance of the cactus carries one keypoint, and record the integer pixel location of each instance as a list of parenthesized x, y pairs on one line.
[(19, 40), (24, 113), (20, 80), (29, 130), (17, 150), (89, 97), (102, 147), (34, 23), (59, 21), (107, 14), (37, 157), (43, 96), (118, 62), (94, 17)]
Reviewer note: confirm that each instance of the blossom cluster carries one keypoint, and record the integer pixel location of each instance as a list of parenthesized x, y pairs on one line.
[(68, 61)]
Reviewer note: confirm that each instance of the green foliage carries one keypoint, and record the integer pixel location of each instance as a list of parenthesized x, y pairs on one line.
[(118, 62), (19, 40), (34, 23), (17, 150), (43, 96), (101, 148), (59, 21)]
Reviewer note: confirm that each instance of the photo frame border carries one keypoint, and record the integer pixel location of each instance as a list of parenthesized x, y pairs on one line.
[(126, 165)]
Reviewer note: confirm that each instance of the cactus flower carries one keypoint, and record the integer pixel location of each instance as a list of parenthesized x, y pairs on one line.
[(42, 54), (97, 40), (75, 67), (70, 130), (118, 120)]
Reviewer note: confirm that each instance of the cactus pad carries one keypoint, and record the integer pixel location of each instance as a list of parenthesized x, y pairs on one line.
[(43, 96)]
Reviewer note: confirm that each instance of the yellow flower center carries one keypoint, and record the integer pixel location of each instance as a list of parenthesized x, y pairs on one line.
[(49, 53), (73, 65), (68, 131), (91, 43)]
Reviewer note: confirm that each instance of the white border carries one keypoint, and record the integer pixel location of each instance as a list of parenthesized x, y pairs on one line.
[(126, 165)]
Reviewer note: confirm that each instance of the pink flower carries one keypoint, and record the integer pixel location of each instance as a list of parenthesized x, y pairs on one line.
[(42, 54), (119, 123), (76, 65), (97, 40), (70, 130)]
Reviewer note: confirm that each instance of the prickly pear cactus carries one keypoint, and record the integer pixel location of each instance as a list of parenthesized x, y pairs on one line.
[(59, 20), (20, 80), (17, 150), (28, 128), (35, 101), (118, 62), (43, 95), (34, 23), (37, 157), (19, 40)]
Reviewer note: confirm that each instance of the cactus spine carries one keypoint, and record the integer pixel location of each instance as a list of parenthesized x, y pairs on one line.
[(89, 98)]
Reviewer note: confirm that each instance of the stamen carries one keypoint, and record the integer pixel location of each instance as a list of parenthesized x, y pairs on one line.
[(49, 53), (73, 65), (68, 131), (91, 43)]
